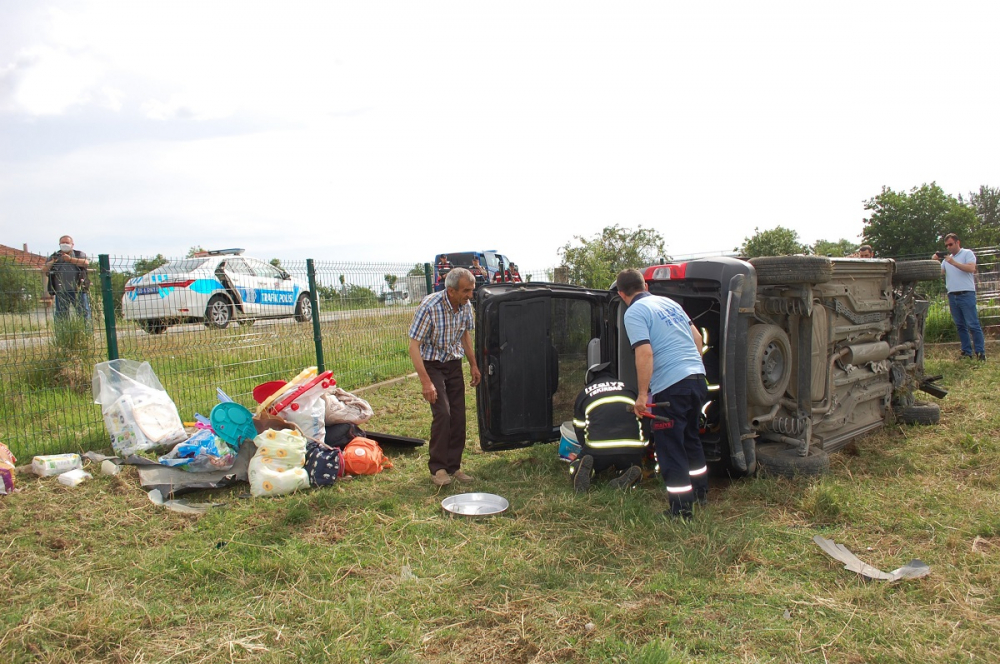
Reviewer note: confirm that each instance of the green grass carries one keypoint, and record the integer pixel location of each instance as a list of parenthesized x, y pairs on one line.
[(371, 570)]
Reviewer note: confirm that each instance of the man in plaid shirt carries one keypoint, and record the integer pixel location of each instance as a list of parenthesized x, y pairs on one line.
[(439, 337)]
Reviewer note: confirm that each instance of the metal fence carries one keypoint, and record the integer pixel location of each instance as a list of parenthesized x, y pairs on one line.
[(362, 313)]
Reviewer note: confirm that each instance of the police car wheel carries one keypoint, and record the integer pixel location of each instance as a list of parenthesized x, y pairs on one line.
[(218, 313), (781, 460), (303, 309), (153, 326)]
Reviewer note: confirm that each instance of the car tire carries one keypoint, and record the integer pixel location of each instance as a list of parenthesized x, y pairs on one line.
[(781, 460), (769, 364), (925, 270), (219, 312), (303, 309), (246, 322), (920, 412), (774, 270), (153, 326)]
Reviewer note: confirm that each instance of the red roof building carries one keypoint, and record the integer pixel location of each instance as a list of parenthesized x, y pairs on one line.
[(22, 256)]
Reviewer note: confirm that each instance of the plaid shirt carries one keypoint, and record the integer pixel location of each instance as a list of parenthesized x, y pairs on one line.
[(439, 328)]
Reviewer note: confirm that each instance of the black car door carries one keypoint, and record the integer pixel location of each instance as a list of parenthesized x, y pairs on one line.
[(534, 343)]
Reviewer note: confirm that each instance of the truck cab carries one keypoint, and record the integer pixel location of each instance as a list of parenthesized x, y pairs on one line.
[(802, 353)]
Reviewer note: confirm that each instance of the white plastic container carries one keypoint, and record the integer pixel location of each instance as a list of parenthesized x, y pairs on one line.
[(73, 477), (55, 464)]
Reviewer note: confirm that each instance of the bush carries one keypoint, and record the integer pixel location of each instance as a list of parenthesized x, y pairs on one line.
[(20, 287), (939, 327)]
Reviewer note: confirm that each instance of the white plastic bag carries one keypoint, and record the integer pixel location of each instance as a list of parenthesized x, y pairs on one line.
[(138, 413), (308, 413)]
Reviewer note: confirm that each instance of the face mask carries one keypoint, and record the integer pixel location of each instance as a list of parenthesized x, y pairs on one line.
[(65, 247)]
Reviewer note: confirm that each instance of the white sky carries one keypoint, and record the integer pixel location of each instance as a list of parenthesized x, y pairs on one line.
[(390, 131)]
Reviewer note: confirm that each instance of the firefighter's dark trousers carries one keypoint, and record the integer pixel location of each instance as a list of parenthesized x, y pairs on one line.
[(678, 443)]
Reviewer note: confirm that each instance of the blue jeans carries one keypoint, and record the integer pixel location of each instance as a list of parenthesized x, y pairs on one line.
[(78, 300), (963, 311)]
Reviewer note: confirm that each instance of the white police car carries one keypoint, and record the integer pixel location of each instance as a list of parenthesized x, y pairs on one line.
[(216, 287)]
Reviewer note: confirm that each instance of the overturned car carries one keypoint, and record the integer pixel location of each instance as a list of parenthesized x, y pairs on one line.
[(803, 354)]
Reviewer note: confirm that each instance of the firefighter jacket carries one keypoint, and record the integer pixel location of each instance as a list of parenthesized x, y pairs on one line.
[(604, 421)]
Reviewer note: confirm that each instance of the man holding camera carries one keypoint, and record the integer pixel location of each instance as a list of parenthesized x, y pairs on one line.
[(959, 268), (67, 280)]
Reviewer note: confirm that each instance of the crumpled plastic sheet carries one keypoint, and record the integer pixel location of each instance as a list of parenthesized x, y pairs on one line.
[(914, 569), (182, 506)]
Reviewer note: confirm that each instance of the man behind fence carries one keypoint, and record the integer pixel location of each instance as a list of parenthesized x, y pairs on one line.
[(67, 280), (959, 268), (439, 337)]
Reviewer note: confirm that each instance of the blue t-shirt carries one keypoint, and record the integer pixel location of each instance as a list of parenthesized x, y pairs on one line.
[(666, 327), (955, 279)]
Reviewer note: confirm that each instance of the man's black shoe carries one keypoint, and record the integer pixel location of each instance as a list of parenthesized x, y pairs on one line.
[(626, 479), (581, 478), (981, 357), (701, 497), (965, 356), (683, 515)]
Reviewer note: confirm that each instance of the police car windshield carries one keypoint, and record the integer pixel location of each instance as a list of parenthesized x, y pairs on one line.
[(176, 267)]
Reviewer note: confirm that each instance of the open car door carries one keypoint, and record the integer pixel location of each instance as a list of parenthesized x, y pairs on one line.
[(534, 342)]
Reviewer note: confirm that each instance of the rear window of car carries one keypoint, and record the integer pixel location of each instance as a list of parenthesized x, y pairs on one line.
[(176, 267), (461, 259)]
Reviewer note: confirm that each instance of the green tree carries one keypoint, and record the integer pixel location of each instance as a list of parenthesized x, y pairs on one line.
[(837, 249), (778, 241), (597, 261), (416, 270), (913, 224), (20, 287), (986, 204), (144, 265), (196, 249), (390, 281), (276, 262)]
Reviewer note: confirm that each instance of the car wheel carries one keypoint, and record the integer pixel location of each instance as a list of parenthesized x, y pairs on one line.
[(920, 412), (303, 309), (926, 270), (781, 460), (153, 326), (772, 270), (219, 312), (246, 322), (769, 364)]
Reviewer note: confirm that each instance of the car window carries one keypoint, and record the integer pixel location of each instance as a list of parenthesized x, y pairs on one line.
[(265, 270), (178, 267), (491, 260), (238, 266)]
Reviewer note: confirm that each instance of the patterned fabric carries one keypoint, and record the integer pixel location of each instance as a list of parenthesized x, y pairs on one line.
[(324, 464), (439, 328)]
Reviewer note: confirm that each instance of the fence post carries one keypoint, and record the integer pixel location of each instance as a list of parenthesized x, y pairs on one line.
[(428, 277), (108, 298), (314, 300)]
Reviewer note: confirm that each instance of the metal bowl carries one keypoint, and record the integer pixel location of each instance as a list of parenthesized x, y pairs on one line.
[(475, 504)]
